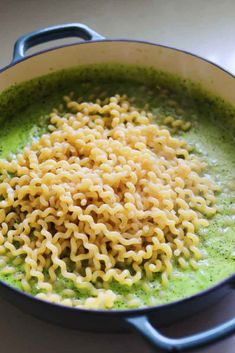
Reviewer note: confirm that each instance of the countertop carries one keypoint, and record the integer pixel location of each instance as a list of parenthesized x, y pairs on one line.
[(203, 27)]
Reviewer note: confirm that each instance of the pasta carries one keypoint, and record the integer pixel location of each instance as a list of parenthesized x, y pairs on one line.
[(106, 195)]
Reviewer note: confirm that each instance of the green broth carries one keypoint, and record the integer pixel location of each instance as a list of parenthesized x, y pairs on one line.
[(24, 113)]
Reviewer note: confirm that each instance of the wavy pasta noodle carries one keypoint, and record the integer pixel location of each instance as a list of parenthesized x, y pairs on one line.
[(106, 195)]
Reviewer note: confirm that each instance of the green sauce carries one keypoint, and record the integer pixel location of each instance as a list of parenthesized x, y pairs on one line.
[(24, 113)]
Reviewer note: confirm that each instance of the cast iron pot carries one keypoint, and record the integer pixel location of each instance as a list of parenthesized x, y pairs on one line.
[(96, 49)]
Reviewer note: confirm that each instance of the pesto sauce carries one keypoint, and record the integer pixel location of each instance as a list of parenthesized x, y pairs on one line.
[(24, 113)]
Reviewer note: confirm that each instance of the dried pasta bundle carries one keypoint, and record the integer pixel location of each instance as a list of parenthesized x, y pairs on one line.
[(105, 196)]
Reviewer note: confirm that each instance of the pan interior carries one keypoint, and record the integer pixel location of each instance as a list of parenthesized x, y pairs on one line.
[(24, 113)]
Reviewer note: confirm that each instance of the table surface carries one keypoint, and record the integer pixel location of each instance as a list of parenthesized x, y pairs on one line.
[(203, 27)]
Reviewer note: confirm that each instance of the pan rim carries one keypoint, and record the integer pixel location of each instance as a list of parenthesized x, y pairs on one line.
[(229, 281), (124, 40)]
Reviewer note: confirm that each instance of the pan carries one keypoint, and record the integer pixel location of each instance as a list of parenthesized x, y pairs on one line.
[(93, 48)]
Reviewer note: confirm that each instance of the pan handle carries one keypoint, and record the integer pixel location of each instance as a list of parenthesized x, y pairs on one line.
[(44, 35), (142, 325)]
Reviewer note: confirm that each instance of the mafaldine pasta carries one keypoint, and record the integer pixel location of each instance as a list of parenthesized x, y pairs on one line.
[(105, 196)]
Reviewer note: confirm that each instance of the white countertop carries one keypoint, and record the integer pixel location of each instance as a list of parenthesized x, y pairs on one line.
[(203, 27)]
